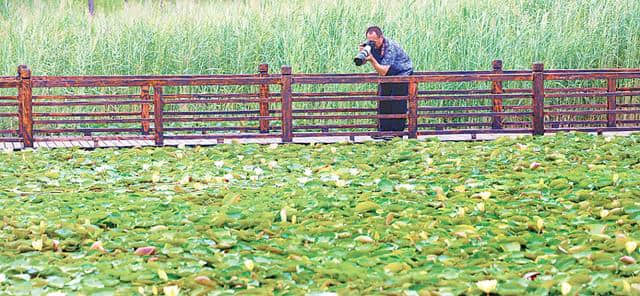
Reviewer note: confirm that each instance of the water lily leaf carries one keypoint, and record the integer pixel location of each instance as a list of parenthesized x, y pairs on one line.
[(366, 207), (511, 247), (56, 282), (385, 185)]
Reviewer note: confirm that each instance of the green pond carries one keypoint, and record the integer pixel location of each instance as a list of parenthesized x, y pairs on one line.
[(547, 215)]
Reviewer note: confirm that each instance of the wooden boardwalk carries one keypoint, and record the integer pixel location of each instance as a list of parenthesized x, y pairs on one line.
[(208, 142)]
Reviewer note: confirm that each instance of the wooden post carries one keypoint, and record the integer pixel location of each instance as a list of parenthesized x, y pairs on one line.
[(286, 95), (20, 125), (496, 88), (264, 98), (538, 99), (611, 102), (25, 106), (158, 106), (144, 114), (413, 109)]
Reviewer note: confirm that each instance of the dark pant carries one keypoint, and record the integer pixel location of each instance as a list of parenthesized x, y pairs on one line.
[(392, 107)]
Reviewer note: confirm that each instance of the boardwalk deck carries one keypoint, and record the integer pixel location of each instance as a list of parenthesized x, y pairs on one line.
[(209, 142)]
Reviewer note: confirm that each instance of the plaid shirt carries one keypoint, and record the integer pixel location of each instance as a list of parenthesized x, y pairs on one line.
[(391, 54)]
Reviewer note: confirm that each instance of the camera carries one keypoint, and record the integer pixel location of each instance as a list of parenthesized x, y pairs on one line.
[(360, 58)]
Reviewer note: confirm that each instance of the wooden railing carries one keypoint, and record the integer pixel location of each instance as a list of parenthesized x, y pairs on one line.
[(161, 109)]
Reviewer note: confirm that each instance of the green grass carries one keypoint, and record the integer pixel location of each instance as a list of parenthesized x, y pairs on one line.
[(223, 37), (143, 37), (390, 218)]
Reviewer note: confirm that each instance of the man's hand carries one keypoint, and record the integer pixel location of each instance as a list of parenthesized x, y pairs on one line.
[(370, 58)]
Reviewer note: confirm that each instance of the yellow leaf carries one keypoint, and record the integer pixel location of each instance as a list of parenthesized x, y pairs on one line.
[(480, 207), (540, 224), (461, 234), (185, 180), (283, 215), (154, 290), (565, 288), (162, 275), (141, 290), (364, 239), (604, 213), (37, 244), (249, 265), (459, 188), (155, 177), (394, 267), (630, 246), (626, 288), (460, 212), (483, 195), (439, 192), (171, 290), (487, 286)]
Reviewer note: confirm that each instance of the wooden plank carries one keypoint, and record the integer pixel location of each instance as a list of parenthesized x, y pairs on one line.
[(107, 81), (85, 144), (139, 143)]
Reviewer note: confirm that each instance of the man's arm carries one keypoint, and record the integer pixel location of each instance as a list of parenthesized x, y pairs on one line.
[(381, 69)]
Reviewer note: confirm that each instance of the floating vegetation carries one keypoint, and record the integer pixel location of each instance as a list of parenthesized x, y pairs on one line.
[(547, 215)]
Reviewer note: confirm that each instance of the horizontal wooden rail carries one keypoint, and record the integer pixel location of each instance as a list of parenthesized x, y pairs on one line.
[(264, 105)]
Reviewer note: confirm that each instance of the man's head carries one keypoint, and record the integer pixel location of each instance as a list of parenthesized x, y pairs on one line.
[(374, 33)]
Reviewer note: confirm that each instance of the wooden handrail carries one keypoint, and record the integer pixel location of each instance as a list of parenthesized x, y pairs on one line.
[(297, 111)]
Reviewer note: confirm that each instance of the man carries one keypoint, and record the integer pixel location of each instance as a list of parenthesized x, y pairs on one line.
[(389, 59)]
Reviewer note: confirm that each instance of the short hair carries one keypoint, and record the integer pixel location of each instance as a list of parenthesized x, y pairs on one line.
[(374, 29)]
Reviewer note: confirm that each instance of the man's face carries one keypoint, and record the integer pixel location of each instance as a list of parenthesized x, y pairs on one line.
[(372, 36)]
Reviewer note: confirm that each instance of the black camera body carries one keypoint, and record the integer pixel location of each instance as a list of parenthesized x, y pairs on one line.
[(360, 58)]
